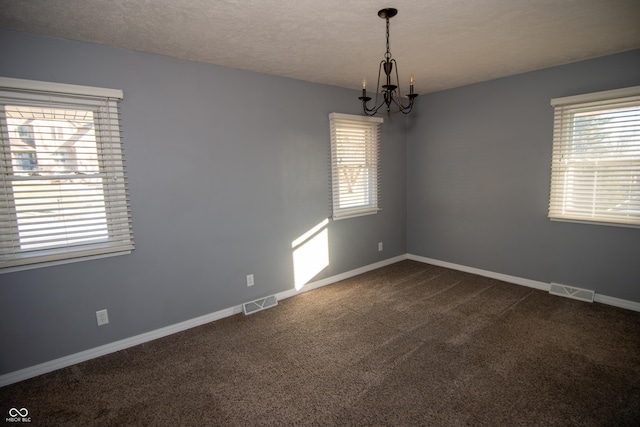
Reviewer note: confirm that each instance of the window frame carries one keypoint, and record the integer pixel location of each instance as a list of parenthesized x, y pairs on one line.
[(111, 174), (582, 161), (365, 130)]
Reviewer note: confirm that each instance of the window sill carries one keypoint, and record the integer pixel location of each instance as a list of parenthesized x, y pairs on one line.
[(354, 214), (581, 221), (60, 262)]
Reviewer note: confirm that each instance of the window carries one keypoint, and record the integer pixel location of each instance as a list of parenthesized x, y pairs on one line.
[(596, 158), (63, 193), (355, 165)]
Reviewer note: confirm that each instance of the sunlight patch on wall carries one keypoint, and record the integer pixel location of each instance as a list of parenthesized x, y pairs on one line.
[(310, 254)]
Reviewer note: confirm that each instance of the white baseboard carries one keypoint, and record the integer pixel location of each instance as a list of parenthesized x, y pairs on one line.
[(63, 362), (617, 302), (493, 275), (603, 299)]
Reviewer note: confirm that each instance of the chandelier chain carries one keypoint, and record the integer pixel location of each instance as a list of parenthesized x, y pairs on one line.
[(388, 54)]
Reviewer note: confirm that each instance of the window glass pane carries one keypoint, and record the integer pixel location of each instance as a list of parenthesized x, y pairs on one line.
[(600, 152), (353, 170), (57, 187), (56, 141)]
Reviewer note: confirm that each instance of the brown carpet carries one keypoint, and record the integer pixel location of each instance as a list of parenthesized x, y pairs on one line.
[(408, 344)]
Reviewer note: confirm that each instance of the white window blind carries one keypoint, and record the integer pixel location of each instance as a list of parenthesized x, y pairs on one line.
[(63, 189), (355, 164), (595, 174)]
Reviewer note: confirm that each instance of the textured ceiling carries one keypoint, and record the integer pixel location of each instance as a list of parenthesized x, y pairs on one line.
[(444, 43)]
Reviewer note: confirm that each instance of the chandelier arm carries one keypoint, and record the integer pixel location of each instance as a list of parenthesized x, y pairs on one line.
[(378, 88), (372, 111), (401, 106), (397, 78), (405, 109)]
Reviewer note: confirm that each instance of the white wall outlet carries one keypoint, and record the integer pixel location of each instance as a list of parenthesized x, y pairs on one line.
[(379, 246), (102, 316), (249, 279)]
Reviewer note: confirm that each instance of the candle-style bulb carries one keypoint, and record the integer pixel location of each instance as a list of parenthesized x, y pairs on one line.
[(364, 83), (411, 80)]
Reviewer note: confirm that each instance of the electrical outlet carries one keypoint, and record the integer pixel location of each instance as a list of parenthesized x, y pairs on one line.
[(379, 246), (102, 316), (249, 279)]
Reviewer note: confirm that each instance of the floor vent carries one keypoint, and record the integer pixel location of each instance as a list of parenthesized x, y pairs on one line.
[(569, 292), (259, 304)]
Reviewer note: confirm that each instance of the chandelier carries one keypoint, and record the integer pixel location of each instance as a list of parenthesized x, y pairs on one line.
[(389, 92)]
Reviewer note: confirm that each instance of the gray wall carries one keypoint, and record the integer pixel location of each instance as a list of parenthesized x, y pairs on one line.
[(479, 161), (226, 168)]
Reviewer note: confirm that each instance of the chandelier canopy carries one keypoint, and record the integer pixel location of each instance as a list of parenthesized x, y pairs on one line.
[(389, 92)]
